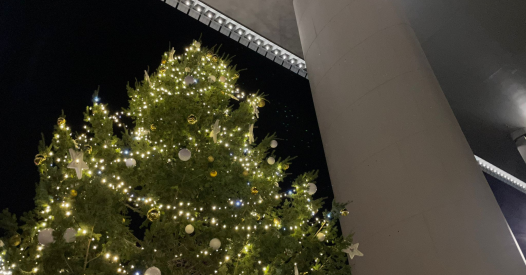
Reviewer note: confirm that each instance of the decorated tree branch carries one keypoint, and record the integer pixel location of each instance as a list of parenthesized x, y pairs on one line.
[(189, 166)]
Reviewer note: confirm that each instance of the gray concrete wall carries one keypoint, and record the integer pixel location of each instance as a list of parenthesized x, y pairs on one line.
[(420, 204)]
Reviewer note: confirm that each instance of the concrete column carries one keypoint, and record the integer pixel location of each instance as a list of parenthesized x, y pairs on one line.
[(420, 204)]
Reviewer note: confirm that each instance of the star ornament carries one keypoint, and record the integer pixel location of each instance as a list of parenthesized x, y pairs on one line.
[(77, 162), (353, 251), (215, 131)]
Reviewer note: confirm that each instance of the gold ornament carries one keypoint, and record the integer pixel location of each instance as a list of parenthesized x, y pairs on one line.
[(236, 76), (153, 214), (73, 192), (88, 149), (277, 221), (162, 69), (245, 173), (254, 190), (15, 240), (258, 217), (261, 103), (163, 62), (39, 158), (192, 119), (210, 159), (61, 121), (215, 58), (344, 212), (213, 173), (153, 127), (285, 166), (209, 54)]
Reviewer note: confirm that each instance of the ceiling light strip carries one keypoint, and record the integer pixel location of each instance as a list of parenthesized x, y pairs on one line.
[(245, 36), (501, 175)]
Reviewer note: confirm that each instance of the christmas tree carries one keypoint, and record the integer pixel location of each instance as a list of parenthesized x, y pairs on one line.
[(190, 168)]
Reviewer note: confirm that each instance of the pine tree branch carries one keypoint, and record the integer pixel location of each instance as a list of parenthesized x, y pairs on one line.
[(132, 208), (87, 248), (94, 258), (67, 263)]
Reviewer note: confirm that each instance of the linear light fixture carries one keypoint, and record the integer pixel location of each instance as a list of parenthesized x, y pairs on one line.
[(245, 36), (501, 175)]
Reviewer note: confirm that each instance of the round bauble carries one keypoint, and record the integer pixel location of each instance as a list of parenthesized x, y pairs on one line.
[(163, 61), (344, 212), (187, 69), (73, 192), (261, 103), (185, 154), (153, 214), (197, 44), (271, 160), (321, 237), (212, 78), (254, 190), (215, 243), (192, 119), (189, 80), (70, 235), (152, 271), (131, 163), (222, 78), (312, 188), (213, 173), (39, 158), (189, 229), (210, 159), (15, 240), (274, 143), (61, 121), (45, 236), (245, 173)]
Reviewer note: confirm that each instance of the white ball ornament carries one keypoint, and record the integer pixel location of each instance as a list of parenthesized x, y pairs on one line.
[(222, 78), (45, 236), (152, 271), (70, 235), (188, 80), (189, 229), (185, 154), (271, 160), (321, 237), (187, 69), (312, 188), (131, 163), (212, 78), (215, 243), (274, 144), (197, 44)]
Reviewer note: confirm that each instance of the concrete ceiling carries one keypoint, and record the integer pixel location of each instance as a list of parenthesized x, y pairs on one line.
[(477, 49)]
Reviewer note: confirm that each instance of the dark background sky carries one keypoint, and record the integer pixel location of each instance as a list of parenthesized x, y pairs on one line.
[(54, 54)]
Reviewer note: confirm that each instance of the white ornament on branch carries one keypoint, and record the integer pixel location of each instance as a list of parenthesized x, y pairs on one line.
[(312, 189), (215, 243), (271, 160), (131, 163), (189, 229), (187, 69), (255, 109), (185, 154), (353, 251), (147, 78), (1, 243), (215, 131), (321, 237), (77, 162), (46, 236), (188, 80), (251, 134), (222, 78), (296, 272), (212, 78), (171, 54), (273, 144), (70, 235)]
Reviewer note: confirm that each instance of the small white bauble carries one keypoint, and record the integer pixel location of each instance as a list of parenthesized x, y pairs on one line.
[(189, 229), (45, 236), (215, 243), (188, 80), (152, 271), (274, 144), (321, 237), (131, 163), (222, 78), (271, 160), (187, 69), (212, 78), (185, 154), (70, 235), (197, 44), (312, 188)]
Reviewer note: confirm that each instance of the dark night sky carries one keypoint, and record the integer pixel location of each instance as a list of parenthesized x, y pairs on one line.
[(54, 54)]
